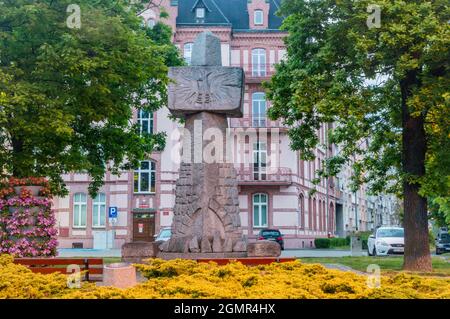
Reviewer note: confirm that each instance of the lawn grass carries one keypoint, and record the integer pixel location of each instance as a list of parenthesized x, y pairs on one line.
[(111, 260), (387, 264)]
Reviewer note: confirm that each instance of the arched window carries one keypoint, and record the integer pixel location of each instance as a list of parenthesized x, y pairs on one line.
[(145, 178), (258, 17), (259, 109), (331, 228), (324, 212), (314, 214), (320, 216), (79, 210), (259, 62), (151, 23), (145, 120), (260, 210), (99, 211), (310, 213), (301, 204), (187, 53)]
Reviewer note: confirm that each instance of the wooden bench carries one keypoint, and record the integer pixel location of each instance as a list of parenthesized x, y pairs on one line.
[(93, 266)]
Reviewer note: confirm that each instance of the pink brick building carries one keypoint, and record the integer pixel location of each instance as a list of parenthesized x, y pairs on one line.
[(274, 196)]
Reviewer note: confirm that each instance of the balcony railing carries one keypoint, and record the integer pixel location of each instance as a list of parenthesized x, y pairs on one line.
[(251, 122), (259, 120), (272, 176), (257, 72)]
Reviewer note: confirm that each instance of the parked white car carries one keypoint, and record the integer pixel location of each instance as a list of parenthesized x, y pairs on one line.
[(386, 240)]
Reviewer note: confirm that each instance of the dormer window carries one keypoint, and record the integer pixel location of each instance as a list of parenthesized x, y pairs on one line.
[(200, 9), (258, 17), (200, 13)]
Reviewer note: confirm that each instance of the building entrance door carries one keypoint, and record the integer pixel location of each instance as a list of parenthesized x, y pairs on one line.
[(143, 226)]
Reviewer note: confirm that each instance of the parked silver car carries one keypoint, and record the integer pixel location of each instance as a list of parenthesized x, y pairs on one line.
[(442, 243), (164, 234)]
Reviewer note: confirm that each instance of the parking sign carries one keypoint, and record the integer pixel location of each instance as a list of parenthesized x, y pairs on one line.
[(112, 212)]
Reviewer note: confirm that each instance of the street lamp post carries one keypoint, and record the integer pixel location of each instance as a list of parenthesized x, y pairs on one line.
[(326, 182), (356, 210)]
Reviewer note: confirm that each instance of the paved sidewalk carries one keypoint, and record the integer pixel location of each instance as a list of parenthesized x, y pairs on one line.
[(342, 267), (71, 252)]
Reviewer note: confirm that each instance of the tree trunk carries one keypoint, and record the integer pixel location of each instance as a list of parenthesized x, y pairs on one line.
[(17, 154), (417, 249)]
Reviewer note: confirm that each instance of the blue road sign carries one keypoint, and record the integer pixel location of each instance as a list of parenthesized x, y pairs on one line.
[(112, 212)]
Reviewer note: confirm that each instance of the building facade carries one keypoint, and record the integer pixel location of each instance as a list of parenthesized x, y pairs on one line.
[(274, 189), (358, 211)]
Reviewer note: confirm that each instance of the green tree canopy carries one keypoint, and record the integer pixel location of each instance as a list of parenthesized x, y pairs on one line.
[(68, 90), (385, 83)]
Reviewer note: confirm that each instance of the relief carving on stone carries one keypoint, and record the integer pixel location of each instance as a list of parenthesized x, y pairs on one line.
[(197, 89)]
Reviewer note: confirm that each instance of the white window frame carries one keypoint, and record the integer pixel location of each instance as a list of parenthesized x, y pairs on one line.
[(151, 171), (99, 205), (200, 13), (259, 109), (141, 119), (259, 62), (258, 17), (151, 23), (257, 209), (187, 52), (79, 202), (260, 161)]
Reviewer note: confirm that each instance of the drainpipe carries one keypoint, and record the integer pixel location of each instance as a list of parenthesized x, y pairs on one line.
[(356, 203)]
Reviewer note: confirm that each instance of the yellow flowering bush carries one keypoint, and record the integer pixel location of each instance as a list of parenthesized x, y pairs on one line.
[(17, 281), (189, 279)]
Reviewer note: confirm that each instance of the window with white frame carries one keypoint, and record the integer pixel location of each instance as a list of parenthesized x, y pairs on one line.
[(259, 62), (259, 161), (99, 210), (145, 120), (260, 210), (258, 17), (259, 109), (200, 13), (145, 178), (187, 49), (151, 23), (79, 210)]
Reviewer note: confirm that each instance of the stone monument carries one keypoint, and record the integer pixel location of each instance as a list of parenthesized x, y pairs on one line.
[(206, 219)]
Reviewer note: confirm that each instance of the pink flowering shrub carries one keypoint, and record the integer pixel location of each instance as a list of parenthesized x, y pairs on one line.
[(27, 223)]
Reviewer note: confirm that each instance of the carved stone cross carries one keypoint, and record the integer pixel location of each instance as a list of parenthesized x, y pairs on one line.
[(206, 85), (206, 213)]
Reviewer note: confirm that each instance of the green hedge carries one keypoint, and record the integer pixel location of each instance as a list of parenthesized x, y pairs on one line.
[(322, 243), (340, 242), (364, 244), (331, 242)]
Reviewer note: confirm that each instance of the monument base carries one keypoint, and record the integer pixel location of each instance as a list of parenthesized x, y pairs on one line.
[(170, 256), (264, 248), (136, 252)]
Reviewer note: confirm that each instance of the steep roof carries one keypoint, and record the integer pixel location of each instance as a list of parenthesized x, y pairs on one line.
[(232, 13)]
